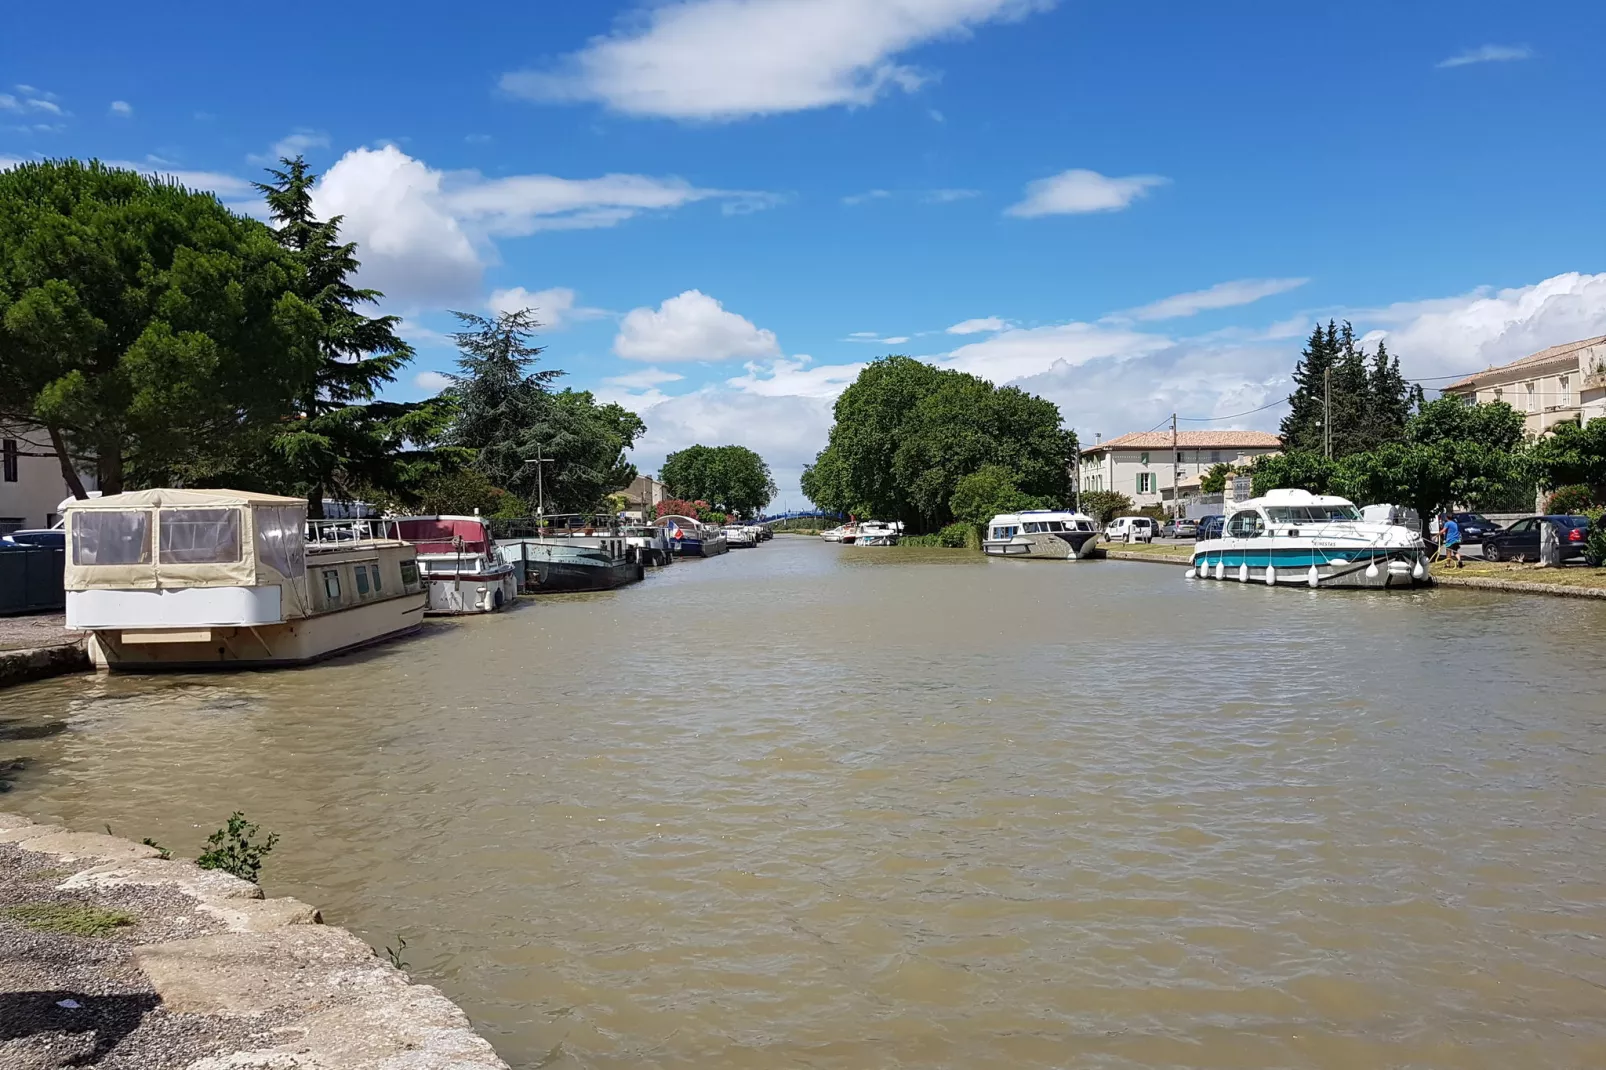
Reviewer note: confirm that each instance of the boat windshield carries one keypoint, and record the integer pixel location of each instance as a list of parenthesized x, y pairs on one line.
[(1310, 514)]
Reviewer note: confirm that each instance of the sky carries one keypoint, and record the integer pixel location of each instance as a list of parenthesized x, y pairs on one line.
[(721, 209)]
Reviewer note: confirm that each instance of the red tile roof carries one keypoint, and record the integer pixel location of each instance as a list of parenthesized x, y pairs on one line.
[(1192, 440), (1566, 349)]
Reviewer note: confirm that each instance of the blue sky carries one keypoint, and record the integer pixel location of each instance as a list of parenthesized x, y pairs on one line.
[(723, 207)]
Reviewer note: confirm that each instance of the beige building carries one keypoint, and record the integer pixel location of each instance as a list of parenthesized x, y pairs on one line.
[(1142, 465), (1565, 382), (643, 494), (31, 487)]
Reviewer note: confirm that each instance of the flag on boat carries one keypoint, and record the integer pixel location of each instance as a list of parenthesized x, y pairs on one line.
[(674, 531)]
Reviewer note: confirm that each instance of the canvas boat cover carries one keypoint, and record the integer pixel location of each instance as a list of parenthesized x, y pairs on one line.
[(156, 539)]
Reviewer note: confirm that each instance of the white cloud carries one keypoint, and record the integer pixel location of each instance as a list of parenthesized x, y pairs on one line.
[(795, 376), (1221, 295), (31, 100), (1027, 351), (876, 339), (730, 59), (1077, 191), (122, 108), (691, 326), (432, 382), (644, 379), (523, 204), (291, 146), (1488, 54), (555, 307), (977, 326), (948, 196), (866, 196)]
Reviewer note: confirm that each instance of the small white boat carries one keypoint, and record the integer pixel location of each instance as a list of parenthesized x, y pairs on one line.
[(873, 533), (834, 534), (1296, 537), (740, 537), (462, 570), (196, 579), (1051, 534)]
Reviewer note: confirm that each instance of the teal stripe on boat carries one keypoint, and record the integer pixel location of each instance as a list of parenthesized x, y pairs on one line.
[(1290, 558)]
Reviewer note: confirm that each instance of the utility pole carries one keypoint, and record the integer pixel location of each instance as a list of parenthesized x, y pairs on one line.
[(1175, 458), (1327, 413), (540, 486)]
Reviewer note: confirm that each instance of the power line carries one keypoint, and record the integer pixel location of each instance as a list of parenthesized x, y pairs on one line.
[(1234, 416)]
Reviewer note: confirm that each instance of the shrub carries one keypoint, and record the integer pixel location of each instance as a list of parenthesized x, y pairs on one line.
[(1595, 546), (1105, 505), (1571, 499), (957, 535), (235, 849)]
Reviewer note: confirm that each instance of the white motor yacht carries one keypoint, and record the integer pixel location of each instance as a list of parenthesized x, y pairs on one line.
[(739, 537), (1044, 534), (1294, 536), (873, 533)]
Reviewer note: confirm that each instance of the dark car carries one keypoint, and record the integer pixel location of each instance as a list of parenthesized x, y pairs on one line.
[(1210, 527), (38, 537), (1520, 541), (1475, 527)]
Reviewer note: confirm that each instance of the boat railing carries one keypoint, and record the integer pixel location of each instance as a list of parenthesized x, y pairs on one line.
[(345, 531), (555, 526)]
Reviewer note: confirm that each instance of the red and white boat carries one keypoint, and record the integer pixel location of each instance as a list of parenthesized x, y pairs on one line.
[(461, 569)]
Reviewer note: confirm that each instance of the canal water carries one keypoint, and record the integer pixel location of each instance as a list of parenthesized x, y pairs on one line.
[(830, 807)]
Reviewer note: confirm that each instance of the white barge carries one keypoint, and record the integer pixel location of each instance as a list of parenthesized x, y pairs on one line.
[(1052, 534), (197, 579)]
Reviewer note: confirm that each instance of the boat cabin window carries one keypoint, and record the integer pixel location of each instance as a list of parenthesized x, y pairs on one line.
[(377, 585), (282, 539), (1310, 514), (1008, 532), (362, 580), (111, 537), (199, 536), (331, 584), (1245, 525), (409, 573)]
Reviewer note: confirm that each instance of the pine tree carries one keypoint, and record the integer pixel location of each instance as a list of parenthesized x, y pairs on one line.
[(1302, 428), (1365, 399), (336, 441)]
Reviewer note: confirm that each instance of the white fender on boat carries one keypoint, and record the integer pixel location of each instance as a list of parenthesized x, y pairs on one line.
[(1311, 577), (1243, 572), (1418, 572), (1271, 575), (1221, 569), (1371, 571), (1190, 574)]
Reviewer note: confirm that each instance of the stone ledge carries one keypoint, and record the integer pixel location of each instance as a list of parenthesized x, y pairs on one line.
[(38, 663), (342, 1008)]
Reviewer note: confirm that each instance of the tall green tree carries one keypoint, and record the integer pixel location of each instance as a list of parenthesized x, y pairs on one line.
[(988, 491), (1572, 454), (732, 479), (336, 439), (906, 433), (1345, 398), (143, 325)]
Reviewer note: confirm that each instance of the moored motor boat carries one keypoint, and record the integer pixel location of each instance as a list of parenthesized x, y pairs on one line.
[(195, 579), (1294, 536), (1051, 534), (739, 537), (462, 571), (689, 537)]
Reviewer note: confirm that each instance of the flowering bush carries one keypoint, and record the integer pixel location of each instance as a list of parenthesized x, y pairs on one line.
[(1571, 499), (681, 507)]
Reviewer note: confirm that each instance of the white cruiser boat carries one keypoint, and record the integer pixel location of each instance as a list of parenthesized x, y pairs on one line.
[(872, 533), (462, 570), (195, 579), (1294, 536), (834, 534), (1051, 534), (740, 536)]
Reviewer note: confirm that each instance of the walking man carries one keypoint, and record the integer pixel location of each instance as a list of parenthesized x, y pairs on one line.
[(1452, 540)]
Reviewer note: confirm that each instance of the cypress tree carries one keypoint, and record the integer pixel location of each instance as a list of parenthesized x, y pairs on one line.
[(1302, 428)]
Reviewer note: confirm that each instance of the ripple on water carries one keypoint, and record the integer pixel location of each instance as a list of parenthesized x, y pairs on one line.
[(810, 805)]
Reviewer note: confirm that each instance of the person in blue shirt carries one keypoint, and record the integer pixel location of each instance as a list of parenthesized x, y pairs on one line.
[(1452, 540)]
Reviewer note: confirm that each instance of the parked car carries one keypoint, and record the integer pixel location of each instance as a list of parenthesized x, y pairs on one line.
[(1210, 527), (1475, 527), (37, 537), (1520, 541), (1180, 528), (1131, 529)]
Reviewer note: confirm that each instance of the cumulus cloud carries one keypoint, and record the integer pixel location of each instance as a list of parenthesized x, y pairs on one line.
[(122, 108), (874, 338), (291, 146), (691, 326), (1487, 54), (432, 382), (645, 379), (1077, 191), (1221, 295), (426, 234), (795, 376), (556, 308), (977, 326), (730, 59)]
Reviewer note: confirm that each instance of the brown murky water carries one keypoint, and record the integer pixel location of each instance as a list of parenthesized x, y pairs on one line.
[(820, 807)]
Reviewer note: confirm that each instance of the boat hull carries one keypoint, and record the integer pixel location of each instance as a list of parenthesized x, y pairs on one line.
[(457, 594), (548, 577), (691, 547), (1374, 568), (1046, 546), (295, 642)]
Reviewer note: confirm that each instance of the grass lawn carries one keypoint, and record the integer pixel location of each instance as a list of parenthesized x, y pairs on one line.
[(1570, 575), (1160, 549)]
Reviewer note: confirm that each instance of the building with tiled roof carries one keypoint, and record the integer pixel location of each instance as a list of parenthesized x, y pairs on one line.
[(1141, 465), (1565, 382)]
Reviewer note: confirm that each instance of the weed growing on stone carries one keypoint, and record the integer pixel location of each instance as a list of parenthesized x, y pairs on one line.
[(235, 849), (69, 919), (165, 854), (395, 954)]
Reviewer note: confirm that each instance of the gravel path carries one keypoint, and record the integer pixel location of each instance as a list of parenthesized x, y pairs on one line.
[(68, 1001), (35, 630)]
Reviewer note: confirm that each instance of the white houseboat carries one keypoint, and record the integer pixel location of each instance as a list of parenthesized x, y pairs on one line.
[(192, 579), (462, 571), (1043, 534), (1294, 536)]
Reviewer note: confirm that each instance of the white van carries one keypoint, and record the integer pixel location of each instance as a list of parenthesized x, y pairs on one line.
[(1131, 529)]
